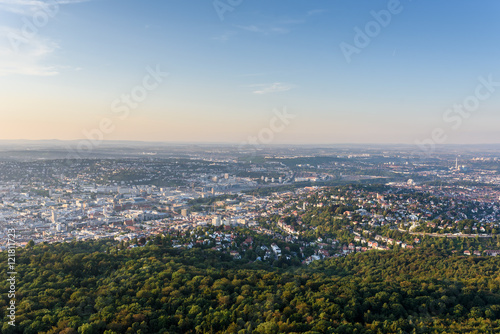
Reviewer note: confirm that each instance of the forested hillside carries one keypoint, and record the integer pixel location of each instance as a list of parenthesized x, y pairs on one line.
[(94, 287)]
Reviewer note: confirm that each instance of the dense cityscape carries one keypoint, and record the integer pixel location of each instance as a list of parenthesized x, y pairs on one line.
[(131, 199)]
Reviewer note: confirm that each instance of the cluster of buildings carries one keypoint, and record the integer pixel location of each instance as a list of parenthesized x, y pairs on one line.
[(126, 199)]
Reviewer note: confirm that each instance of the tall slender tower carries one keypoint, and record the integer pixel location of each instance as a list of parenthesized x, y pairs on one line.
[(456, 163)]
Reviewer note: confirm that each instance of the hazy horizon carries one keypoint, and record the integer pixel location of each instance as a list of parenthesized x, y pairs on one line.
[(117, 141)]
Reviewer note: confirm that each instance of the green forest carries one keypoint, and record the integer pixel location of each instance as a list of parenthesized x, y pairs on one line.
[(97, 287)]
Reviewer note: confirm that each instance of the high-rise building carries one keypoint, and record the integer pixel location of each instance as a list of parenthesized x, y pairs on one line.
[(216, 221)]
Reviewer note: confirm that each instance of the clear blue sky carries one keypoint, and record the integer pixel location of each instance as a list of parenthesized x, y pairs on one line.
[(227, 76)]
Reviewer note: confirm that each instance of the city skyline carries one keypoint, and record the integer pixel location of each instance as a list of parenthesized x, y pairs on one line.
[(370, 72)]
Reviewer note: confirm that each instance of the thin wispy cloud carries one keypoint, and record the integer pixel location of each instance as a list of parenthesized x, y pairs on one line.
[(225, 36), (272, 88), (27, 7), (266, 30), (271, 74), (29, 59), (251, 28), (279, 26), (291, 21), (21, 7), (26, 53), (315, 12), (254, 74)]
